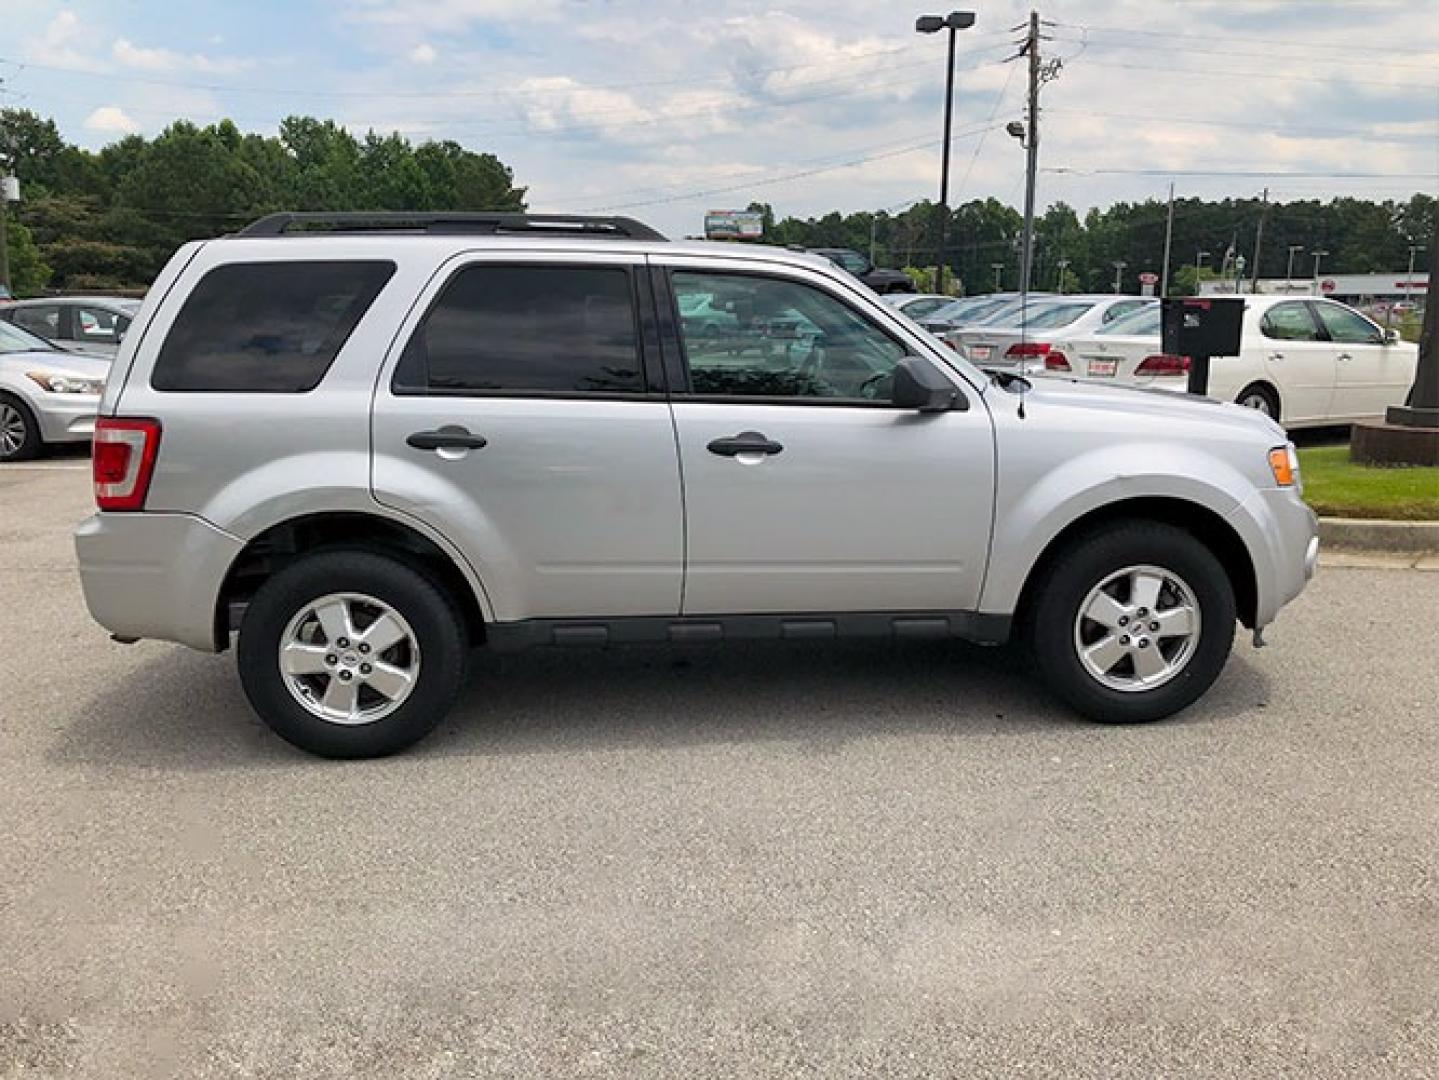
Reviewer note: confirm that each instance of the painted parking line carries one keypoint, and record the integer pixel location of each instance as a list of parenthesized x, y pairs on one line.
[(82, 467)]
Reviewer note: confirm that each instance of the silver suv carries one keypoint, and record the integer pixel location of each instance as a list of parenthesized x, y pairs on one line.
[(368, 443)]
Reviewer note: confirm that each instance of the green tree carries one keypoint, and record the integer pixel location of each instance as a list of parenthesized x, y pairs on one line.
[(28, 270)]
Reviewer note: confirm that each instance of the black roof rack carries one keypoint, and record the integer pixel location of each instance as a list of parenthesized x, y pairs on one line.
[(449, 223)]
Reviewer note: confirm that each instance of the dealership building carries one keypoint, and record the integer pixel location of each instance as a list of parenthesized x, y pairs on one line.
[(1350, 288)]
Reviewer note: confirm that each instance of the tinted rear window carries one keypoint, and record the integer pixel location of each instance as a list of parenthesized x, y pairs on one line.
[(527, 329), (270, 327)]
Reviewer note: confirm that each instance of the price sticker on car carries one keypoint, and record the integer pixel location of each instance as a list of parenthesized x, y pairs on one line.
[(1103, 367)]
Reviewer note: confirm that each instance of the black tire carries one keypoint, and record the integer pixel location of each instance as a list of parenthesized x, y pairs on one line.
[(1088, 561), (30, 444), (1263, 392), (432, 615)]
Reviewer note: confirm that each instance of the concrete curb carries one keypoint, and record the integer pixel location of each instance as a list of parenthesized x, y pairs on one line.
[(1372, 534)]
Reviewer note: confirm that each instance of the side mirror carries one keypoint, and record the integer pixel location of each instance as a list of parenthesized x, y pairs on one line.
[(918, 384), (1391, 336)]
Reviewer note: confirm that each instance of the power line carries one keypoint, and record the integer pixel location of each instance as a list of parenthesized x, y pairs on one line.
[(1169, 35), (1273, 128), (1213, 72), (1147, 47), (1256, 173)]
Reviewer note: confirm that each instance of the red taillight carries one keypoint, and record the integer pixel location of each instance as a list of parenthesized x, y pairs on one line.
[(1027, 349), (122, 461), (1163, 364), (1056, 361)]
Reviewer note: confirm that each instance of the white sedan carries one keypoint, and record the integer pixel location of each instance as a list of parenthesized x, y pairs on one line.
[(916, 305), (1305, 361), (1019, 337)]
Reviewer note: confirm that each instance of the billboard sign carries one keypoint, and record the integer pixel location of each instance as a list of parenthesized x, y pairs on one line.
[(734, 225)]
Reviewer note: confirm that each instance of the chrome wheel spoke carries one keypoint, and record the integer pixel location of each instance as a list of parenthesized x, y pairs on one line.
[(334, 619), (1106, 653), (342, 696), (1175, 622), (383, 633), (393, 682), (1105, 610), (1144, 591), (297, 658), (1149, 663)]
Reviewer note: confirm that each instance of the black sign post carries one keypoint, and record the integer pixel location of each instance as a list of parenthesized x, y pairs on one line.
[(1200, 327)]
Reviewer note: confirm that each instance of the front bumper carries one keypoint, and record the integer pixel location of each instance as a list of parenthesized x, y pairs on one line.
[(1282, 535), (66, 418), (150, 575)]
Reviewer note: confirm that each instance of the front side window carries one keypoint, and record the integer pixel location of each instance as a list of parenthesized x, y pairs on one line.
[(272, 327), (1289, 322), (527, 330), (781, 339), (1348, 327), (42, 319)]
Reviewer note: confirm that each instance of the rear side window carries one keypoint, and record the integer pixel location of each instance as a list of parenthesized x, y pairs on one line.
[(272, 327), (527, 330)]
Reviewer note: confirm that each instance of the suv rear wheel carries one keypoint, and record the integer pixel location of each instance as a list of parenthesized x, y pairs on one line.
[(351, 654), (1133, 622)]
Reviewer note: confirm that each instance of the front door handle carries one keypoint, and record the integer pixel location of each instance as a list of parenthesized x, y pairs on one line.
[(1345, 356), (746, 442), (449, 437), (1276, 356)]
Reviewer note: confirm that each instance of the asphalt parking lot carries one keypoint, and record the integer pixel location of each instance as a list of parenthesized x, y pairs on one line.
[(765, 861)]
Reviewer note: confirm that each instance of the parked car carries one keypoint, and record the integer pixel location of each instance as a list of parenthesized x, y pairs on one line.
[(877, 278), (1306, 362), (1021, 338), (367, 452), (91, 324), (970, 310), (917, 305), (47, 396)]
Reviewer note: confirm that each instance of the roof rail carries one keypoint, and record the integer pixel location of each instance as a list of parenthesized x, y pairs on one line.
[(448, 223)]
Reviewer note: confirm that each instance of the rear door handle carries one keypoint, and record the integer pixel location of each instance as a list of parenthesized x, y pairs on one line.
[(746, 442), (1345, 356), (1276, 356), (449, 437)]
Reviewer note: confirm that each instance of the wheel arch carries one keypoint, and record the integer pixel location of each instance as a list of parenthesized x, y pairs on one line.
[(1267, 387), (284, 542), (1207, 526)]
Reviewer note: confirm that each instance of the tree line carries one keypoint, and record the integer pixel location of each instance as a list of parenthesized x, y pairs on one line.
[(984, 236), (109, 219)]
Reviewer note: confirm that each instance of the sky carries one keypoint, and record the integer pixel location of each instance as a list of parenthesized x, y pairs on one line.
[(665, 110)]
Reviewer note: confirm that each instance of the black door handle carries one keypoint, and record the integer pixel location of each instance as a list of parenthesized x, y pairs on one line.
[(746, 442), (449, 437)]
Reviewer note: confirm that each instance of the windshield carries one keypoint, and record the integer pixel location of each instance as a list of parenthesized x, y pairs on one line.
[(13, 339), (960, 310), (1141, 323)]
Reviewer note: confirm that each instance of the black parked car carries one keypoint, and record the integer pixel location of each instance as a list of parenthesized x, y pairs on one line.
[(878, 279)]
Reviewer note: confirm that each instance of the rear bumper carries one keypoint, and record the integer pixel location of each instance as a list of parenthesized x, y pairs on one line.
[(66, 418), (1282, 535), (153, 575)]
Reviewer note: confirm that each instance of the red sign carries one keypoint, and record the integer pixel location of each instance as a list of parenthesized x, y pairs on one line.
[(1327, 285), (1148, 278)]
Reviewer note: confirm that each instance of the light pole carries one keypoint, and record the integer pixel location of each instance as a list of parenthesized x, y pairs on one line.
[(933, 24), (9, 192), (1409, 277), (1289, 270), (1063, 265), (998, 269), (1317, 256), (1119, 266), (1200, 258)]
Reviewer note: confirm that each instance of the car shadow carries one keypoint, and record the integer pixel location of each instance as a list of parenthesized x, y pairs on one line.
[(186, 711)]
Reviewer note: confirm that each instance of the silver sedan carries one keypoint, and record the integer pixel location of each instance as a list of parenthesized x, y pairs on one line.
[(47, 395)]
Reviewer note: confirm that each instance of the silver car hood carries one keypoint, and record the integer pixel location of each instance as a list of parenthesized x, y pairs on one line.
[(1062, 392), (68, 363)]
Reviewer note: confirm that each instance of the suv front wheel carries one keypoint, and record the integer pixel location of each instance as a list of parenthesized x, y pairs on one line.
[(1133, 622), (351, 654)]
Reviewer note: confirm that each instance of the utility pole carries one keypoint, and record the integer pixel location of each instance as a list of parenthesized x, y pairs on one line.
[(1063, 265), (1119, 266), (1317, 256), (1168, 239), (1031, 167), (1258, 239), (998, 269)]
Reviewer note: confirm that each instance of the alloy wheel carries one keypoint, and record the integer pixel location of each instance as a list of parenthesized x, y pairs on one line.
[(13, 430), (1137, 629), (349, 658)]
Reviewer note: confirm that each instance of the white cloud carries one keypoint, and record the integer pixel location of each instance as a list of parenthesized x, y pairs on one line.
[(423, 53), (450, 14), (57, 43), (167, 61), (111, 120)]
